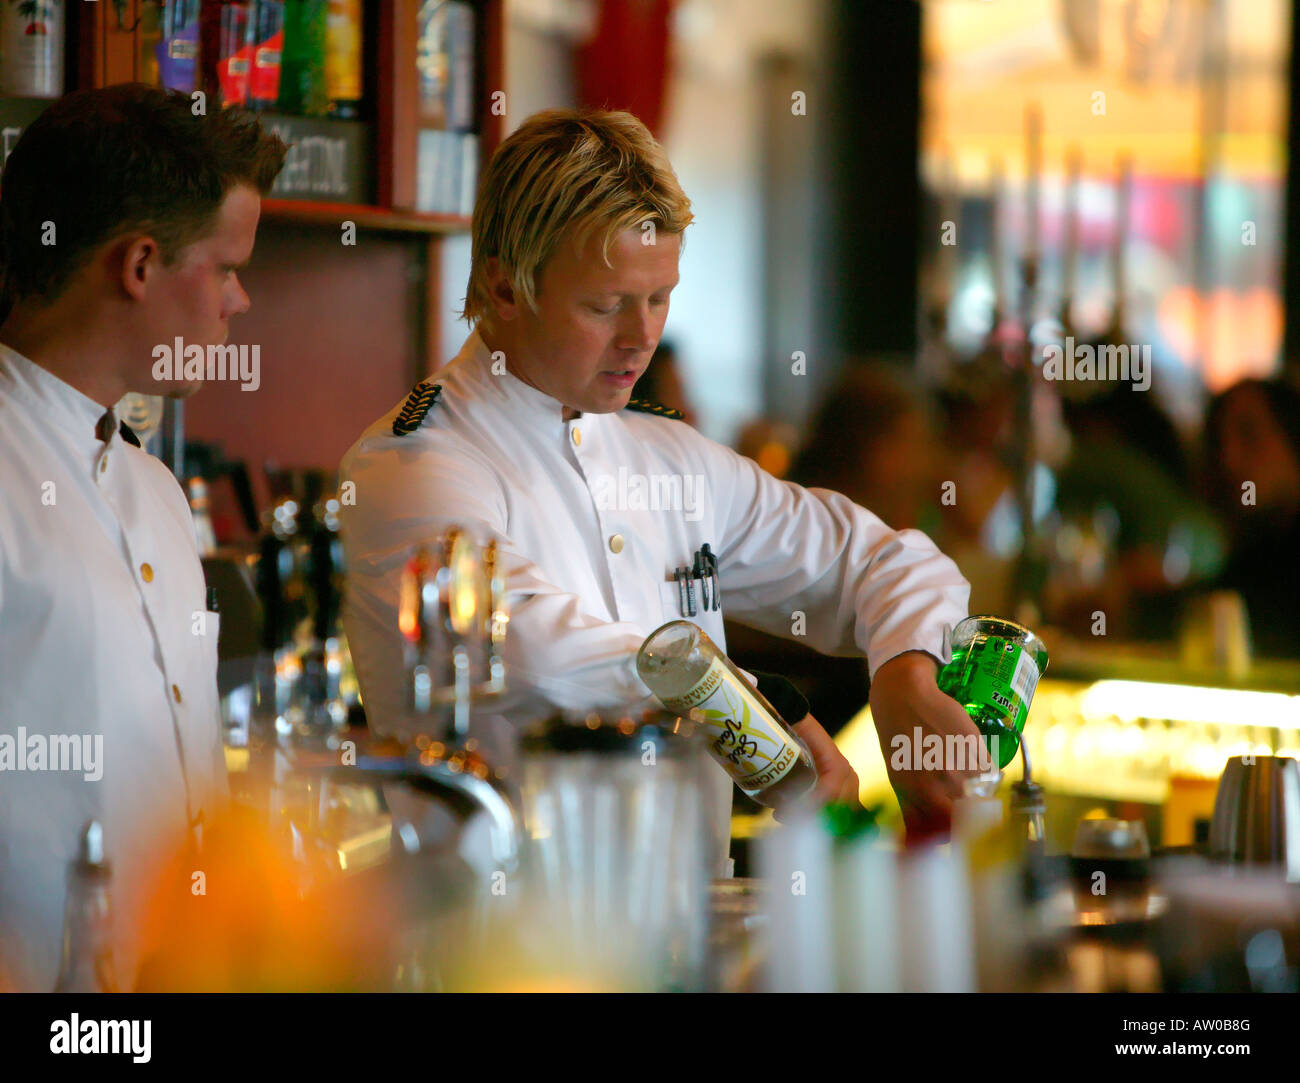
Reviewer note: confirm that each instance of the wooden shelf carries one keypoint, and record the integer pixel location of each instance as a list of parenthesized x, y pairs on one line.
[(366, 217)]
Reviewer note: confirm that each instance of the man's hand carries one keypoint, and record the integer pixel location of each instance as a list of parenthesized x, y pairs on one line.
[(904, 697), (836, 779)]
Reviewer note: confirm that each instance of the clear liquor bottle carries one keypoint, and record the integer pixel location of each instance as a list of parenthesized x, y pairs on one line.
[(86, 958), (746, 735)]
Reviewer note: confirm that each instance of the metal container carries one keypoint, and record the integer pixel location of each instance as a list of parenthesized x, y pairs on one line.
[(1257, 813)]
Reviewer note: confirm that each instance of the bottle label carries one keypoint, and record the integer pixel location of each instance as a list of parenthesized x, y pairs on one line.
[(176, 56), (264, 79), (752, 747), (997, 673)]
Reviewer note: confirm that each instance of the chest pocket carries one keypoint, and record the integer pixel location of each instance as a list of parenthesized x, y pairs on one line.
[(709, 620)]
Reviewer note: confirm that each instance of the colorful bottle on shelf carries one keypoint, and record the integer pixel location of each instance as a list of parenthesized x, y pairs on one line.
[(995, 668), (302, 62), (178, 46), (445, 65), (31, 49), (148, 35), (343, 58), (264, 45), (224, 51), (432, 63), (683, 667)]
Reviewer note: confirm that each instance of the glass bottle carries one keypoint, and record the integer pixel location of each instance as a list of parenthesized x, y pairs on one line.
[(148, 34), (343, 58), (683, 667), (432, 63), (302, 63), (224, 52), (1028, 811), (31, 49), (265, 42), (178, 47), (204, 534), (86, 960), (995, 667)]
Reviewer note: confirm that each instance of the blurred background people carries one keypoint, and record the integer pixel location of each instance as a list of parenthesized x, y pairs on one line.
[(871, 439), (1252, 456), (1132, 534)]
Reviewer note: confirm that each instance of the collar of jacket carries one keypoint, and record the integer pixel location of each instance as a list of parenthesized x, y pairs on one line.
[(48, 398), (521, 401)]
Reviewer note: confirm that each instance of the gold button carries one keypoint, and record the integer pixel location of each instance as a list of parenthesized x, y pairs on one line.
[(616, 543), (176, 693), (577, 436), (146, 573)]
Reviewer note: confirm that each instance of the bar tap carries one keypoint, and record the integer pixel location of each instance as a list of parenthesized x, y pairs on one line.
[(453, 617), (452, 614)]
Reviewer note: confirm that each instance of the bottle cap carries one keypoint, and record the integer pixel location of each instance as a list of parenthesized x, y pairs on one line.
[(90, 852)]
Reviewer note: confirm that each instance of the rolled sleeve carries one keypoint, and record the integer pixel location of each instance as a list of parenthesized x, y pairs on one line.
[(812, 566)]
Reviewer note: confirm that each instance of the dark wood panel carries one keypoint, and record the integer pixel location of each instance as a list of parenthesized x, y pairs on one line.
[(337, 329)]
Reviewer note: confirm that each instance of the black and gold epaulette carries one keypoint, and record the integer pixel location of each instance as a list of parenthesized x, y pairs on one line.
[(418, 403), (644, 406)]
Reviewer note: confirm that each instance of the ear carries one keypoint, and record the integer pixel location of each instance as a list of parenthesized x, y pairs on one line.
[(502, 297), (136, 260)]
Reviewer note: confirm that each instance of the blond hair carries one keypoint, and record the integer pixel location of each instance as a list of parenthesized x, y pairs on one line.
[(597, 171)]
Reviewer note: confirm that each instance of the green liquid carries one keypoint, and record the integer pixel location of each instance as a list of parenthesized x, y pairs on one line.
[(980, 678)]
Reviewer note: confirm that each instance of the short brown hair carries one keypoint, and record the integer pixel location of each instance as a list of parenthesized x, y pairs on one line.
[(595, 170), (125, 158)]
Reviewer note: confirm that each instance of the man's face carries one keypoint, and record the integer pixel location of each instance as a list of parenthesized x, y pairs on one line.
[(596, 326), (195, 297)]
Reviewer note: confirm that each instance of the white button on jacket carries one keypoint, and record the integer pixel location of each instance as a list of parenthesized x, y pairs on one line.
[(103, 643), (592, 528)]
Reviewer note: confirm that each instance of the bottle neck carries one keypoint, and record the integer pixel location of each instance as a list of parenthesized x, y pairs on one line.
[(86, 964)]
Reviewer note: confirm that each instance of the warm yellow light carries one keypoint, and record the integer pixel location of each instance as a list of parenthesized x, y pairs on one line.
[(1130, 700)]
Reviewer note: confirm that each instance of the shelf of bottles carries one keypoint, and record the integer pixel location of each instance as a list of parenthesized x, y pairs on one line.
[(303, 65)]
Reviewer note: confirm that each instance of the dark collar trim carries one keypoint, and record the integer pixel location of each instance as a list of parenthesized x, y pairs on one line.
[(644, 406)]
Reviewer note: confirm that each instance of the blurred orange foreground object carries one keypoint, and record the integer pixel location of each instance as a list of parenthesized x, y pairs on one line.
[(232, 919)]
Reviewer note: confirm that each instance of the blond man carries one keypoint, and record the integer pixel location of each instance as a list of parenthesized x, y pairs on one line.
[(531, 440)]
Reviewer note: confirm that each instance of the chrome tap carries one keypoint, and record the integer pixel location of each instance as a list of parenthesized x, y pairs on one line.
[(453, 617), (462, 780)]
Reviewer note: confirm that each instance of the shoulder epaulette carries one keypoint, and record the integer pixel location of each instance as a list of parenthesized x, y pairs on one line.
[(418, 403), (644, 406)]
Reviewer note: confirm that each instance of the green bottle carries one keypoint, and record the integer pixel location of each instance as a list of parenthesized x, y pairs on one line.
[(304, 90), (995, 668)]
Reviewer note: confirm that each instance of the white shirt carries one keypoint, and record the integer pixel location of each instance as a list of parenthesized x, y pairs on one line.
[(102, 637), (494, 456)]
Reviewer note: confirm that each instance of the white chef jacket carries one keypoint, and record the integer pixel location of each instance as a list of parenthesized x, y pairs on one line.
[(102, 634), (589, 559)]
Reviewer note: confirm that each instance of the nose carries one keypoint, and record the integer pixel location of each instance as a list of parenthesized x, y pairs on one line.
[(237, 301), (640, 328)]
